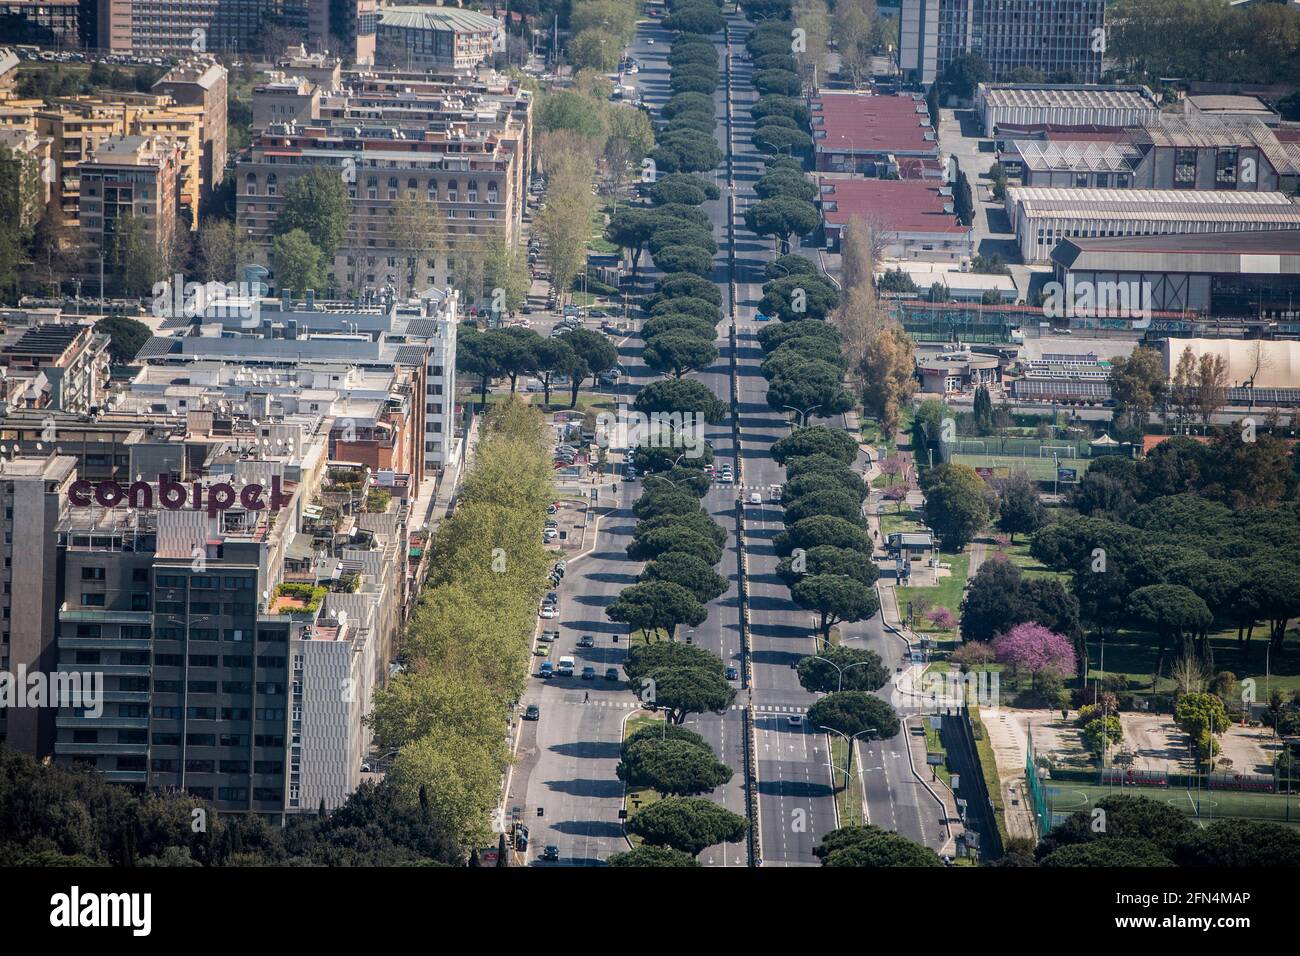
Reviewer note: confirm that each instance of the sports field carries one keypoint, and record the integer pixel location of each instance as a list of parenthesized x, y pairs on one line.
[(1206, 805), (1037, 469)]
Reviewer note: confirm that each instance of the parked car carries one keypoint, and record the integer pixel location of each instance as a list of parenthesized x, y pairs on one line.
[(549, 636), (533, 712), (760, 317), (543, 650), (548, 612), (550, 534)]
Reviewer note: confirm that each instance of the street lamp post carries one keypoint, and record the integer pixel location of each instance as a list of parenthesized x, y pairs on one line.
[(840, 669), (849, 740), (802, 413)]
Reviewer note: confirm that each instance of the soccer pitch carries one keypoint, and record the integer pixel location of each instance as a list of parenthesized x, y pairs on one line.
[(1037, 469), (1206, 806)]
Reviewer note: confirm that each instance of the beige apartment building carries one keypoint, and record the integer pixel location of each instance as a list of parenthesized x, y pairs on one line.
[(201, 82), (137, 176), (392, 137)]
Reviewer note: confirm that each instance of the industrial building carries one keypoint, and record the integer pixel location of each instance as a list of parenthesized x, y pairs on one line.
[(1043, 216), (913, 219), (1171, 152), (870, 134), (1050, 36), (1063, 105), (1259, 371), (1242, 274)]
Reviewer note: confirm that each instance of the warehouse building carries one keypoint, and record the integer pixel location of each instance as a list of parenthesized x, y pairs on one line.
[(1173, 152), (1063, 105), (865, 133), (1243, 274), (914, 219), (1043, 216), (1258, 365), (1220, 106)]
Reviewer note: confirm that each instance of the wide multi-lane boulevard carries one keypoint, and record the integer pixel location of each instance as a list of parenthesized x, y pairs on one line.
[(564, 783)]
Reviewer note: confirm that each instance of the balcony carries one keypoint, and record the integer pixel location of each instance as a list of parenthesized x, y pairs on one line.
[(123, 776), (83, 615), (103, 723), (104, 643), (74, 750)]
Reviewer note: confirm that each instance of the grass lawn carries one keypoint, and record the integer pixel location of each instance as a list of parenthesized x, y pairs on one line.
[(1018, 554), (947, 593), (641, 797), (592, 400), (848, 800), (895, 521), (933, 745)]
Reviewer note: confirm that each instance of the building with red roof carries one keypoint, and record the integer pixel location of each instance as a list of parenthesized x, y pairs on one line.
[(914, 217), (866, 133)]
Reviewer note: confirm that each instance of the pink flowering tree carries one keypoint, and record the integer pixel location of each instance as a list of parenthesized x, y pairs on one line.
[(892, 466), (1037, 649), (896, 494), (942, 619)]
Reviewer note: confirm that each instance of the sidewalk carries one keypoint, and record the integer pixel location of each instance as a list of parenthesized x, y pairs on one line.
[(1010, 746)]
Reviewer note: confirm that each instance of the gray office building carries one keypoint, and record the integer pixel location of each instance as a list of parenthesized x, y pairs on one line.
[(1058, 38)]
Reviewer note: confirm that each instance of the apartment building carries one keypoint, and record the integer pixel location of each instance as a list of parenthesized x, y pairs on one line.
[(395, 140), (49, 23), (130, 177), (25, 165), (345, 28), (201, 82), (62, 366), (78, 126), (33, 502), (1055, 37)]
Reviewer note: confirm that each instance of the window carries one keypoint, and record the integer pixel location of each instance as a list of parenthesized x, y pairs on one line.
[(1184, 168), (92, 600), (92, 574), (1225, 167)]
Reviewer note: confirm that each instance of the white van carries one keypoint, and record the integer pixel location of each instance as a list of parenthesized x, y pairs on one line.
[(565, 667)]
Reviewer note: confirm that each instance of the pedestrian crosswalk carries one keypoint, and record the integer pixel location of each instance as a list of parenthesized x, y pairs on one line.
[(779, 709)]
